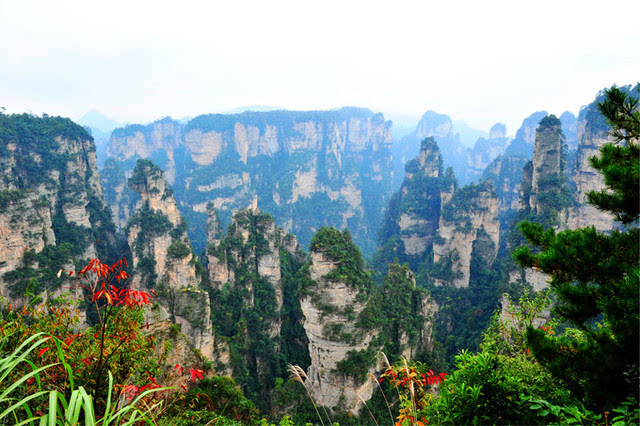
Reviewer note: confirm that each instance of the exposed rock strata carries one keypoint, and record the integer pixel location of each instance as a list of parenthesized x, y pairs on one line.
[(255, 248), (468, 220), (548, 162), (163, 258), (485, 151), (323, 311), (505, 173), (293, 162), (592, 134), (338, 301), (50, 194), (420, 194)]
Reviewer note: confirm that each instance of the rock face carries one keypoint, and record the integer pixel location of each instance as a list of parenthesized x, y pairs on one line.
[(252, 247), (163, 258), (548, 162), (50, 201), (505, 173), (469, 224), (253, 271), (485, 151), (413, 214), (592, 133), (117, 193), (435, 226), (25, 224), (336, 302), (295, 163), (440, 128), (328, 329), (544, 192)]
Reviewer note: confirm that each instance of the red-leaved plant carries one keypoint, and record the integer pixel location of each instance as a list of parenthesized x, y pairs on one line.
[(413, 383), (115, 306), (80, 356)]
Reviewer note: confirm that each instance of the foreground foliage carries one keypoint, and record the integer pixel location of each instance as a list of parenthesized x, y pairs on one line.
[(595, 275)]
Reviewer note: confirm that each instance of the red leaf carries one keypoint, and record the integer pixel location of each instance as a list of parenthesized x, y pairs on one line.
[(43, 350), (195, 373), (152, 380), (177, 367)]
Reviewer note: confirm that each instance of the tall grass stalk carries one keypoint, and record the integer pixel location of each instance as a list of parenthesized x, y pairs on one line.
[(368, 409), (298, 374), (375, 380), (384, 363), (411, 389)]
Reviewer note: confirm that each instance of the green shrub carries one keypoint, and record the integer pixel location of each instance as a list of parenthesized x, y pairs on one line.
[(178, 250)]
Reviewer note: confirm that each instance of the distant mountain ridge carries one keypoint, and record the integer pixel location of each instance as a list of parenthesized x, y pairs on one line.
[(98, 120), (292, 164)]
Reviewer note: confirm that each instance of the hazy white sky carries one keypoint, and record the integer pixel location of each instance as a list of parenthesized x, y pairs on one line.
[(482, 61)]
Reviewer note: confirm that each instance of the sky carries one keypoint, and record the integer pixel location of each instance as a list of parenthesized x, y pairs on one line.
[(480, 61)]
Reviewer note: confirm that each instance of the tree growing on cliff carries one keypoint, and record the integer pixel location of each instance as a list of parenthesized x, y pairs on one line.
[(595, 275)]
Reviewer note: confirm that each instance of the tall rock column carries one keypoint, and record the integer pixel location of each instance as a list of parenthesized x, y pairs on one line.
[(163, 258), (548, 164), (256, 311), (544, 195), (253, 249), (592, 135), (469, 219), (421, 199), (334, 297), (345, 328)]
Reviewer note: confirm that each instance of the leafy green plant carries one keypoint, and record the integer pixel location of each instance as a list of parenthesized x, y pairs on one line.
[(563, 415), (506, 334), (68, 411), (628, 413), (10, 402), (496, 385)]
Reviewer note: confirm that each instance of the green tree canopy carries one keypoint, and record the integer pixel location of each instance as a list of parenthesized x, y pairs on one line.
[(595, 275)]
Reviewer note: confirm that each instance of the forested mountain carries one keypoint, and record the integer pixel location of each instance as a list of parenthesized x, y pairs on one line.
[(250, 301), (52, 210), (458, 239), (294, 165)]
